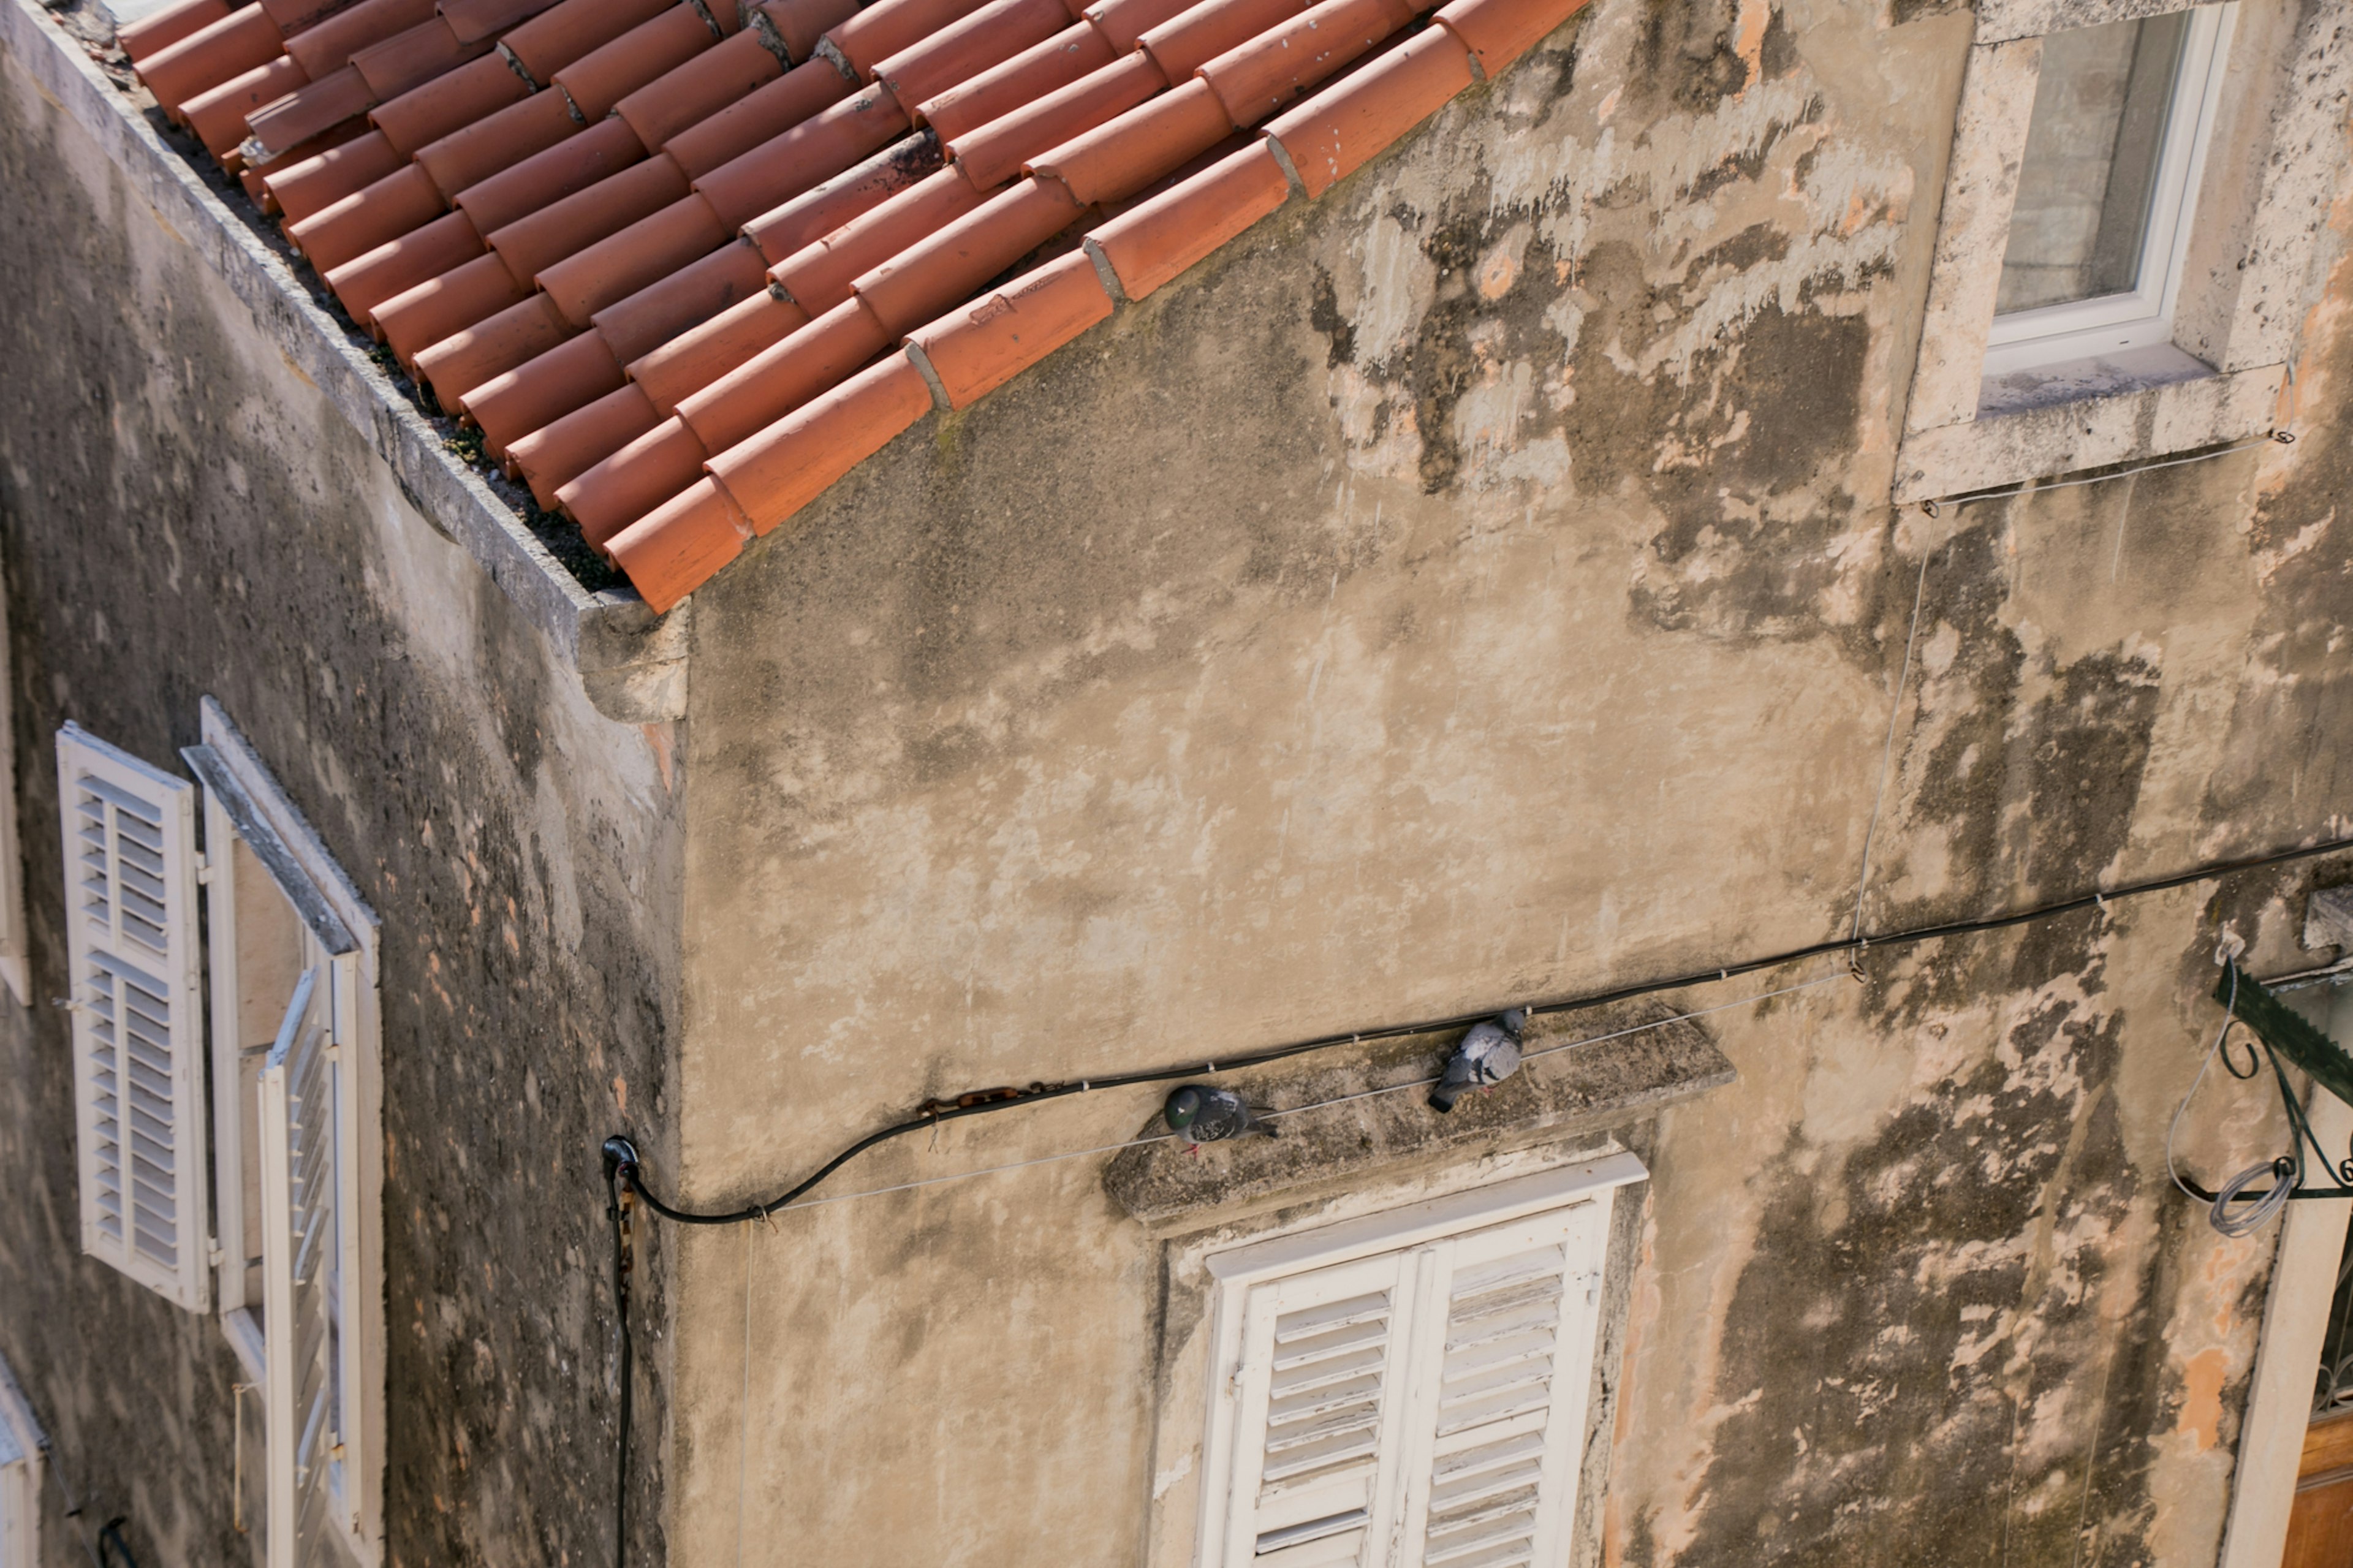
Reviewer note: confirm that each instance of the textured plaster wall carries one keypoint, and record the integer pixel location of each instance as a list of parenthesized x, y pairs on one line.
[(184, 515), (1482, 586)]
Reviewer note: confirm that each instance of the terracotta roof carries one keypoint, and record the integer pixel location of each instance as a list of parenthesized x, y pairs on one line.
[(688, 262)]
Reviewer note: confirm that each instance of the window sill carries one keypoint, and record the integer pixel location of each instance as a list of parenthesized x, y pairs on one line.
[(1608, 1086), (2032, 439), (2075, 380)]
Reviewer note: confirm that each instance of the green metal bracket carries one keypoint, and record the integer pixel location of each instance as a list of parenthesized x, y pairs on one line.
[(2286, 1032)]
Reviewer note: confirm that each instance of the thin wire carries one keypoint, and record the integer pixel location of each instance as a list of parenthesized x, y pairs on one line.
[(985, 1103), (1299, 1109), (1887, 752), (2278, 436)]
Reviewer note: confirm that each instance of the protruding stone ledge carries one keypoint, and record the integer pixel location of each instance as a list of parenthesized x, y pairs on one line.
[(1610, 1083)]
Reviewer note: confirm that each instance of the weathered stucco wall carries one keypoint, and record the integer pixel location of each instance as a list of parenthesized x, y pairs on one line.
[(1481, 585), (184, 514)]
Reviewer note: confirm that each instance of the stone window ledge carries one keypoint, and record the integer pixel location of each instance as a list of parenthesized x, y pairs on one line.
[(2080, 432), (631, 662), (1610, 1084)]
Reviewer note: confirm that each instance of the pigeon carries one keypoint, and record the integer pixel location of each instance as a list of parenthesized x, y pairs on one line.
[(1488, 1054), (1200, 1114)]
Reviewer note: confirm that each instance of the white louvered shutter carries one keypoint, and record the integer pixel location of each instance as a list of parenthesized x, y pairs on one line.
[(300, 1250), (1324, 1362), (1421, 1408), (131, 941), (1501, 1389)]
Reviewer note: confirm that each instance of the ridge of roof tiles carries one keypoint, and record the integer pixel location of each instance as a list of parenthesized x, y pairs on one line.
[(686, 263)]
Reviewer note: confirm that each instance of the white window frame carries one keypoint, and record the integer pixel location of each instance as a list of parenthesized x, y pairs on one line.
[(22, 1448), (2141, 316), (2249, 275), (249, 815), (1406, 1238), (102, 1066)]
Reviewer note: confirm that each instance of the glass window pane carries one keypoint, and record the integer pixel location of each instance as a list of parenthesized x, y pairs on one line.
[(2092, 152)]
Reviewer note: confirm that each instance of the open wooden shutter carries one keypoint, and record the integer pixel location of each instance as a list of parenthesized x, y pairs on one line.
[(300, 1257), (130, 943)]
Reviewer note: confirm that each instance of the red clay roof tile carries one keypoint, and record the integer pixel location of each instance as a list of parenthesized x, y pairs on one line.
[(416, 319), (818, 275), (1270, 72), (816, 150), (420, 256), (801, 93), (554, 39), (699, 89), (309, 110), (1155, 240), (676, 549), (159, 30), (573, 164), (1040, 69), (557, 453), (218, 114), (683, 300), (452, 101), (782, 230), (1125, 22), (542, 390), (370, 217), (292, 17), (780, 379), (602, 78), (1498, 32), (790, 463), (888, 26), (1336, 132), (634, 257), (1184, 44), (799, 24), (320, 181), (978, 347), (701, 354), (414, 57), (532, 245), (329, 44), (258, 170), (456, 365), (932, 275), (238, 43), (492, 145), (1123, 156), (995, 152), (472, 19), (638, 478), (988, 37)]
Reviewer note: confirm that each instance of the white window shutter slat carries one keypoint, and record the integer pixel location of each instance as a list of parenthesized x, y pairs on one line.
[(131, 881), (1501, 1390), (300, 1247)]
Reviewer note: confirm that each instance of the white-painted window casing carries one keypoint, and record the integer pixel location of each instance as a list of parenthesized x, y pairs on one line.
[(131, 870), (21, 1446), (1409, 1390), (297, 1155), (2138, 315)]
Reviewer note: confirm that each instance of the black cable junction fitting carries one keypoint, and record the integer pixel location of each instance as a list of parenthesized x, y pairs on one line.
[(625, 1172)]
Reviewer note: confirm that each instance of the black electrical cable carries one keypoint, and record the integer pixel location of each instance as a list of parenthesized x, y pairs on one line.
[(628, 1170), (110, 1542), (619, 1155)]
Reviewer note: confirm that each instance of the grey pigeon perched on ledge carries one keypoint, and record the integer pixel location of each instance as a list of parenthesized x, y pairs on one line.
[(1200, 1114), (1488, 1054)]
